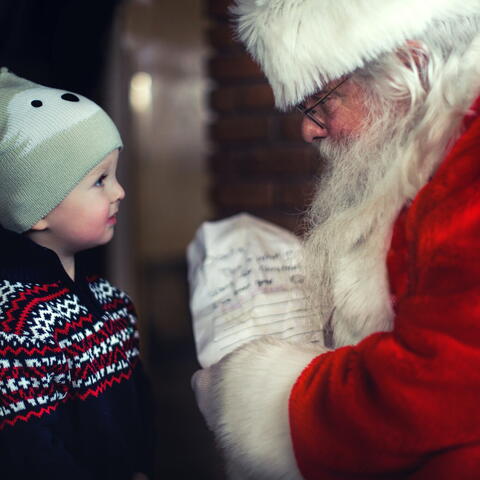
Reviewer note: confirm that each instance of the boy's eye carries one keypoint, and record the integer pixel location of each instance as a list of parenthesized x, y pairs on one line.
[(100, 181)]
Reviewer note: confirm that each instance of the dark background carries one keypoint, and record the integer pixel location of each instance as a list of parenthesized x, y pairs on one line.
[(57, 43)]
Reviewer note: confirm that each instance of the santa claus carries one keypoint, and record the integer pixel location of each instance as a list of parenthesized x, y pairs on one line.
[(388, 90)]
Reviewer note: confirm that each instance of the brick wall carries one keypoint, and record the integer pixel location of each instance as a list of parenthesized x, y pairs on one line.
[(259, 162)]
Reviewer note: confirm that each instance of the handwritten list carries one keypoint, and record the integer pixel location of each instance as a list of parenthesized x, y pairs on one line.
[(246, 279)]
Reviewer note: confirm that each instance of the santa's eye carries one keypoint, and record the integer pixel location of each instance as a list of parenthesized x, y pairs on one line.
[(326, 99)]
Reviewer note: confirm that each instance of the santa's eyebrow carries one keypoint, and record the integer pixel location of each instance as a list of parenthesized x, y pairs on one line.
[(329, 89)]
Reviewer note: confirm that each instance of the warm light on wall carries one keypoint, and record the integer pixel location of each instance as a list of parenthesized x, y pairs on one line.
[(141, 92)]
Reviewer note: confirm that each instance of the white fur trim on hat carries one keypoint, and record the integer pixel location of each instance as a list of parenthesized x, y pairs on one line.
[(303, 44)]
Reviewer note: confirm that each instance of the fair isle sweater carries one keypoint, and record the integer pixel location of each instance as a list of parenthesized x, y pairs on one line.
[(74, 403)]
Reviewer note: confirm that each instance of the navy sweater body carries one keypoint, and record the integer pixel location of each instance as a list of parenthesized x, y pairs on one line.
[(74, 402)]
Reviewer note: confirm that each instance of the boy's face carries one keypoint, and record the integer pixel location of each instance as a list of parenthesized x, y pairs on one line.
[(87, 216)]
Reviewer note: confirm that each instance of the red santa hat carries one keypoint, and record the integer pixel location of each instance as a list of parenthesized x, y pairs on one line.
[(303, 44)]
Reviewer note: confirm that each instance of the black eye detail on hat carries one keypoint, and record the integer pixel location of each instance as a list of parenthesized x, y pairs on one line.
[(36, 103), (70, 97)]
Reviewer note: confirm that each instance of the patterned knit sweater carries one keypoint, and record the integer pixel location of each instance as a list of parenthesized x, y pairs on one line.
[(73, 399)]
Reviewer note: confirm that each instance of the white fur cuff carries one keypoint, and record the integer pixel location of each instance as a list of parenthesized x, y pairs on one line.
[(254, 391)]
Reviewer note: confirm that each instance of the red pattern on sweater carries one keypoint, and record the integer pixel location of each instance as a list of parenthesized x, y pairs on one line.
[(52, 349)]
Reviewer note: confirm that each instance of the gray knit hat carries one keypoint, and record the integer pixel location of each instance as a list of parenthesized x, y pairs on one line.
[(49, 140)]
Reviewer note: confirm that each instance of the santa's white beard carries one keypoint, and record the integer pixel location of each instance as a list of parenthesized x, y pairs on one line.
[(357, 201), (351, 167), (367, 180)]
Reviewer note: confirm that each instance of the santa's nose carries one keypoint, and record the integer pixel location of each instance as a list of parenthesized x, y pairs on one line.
[(312, 131)]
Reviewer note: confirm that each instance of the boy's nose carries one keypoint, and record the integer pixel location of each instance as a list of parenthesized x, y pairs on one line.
[(119, 192), (311, 131)]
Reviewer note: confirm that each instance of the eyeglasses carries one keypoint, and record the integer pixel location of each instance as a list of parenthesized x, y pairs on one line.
[(309, 111)]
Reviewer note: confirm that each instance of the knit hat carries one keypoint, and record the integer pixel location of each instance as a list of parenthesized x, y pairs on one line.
[(303, 44), (49, 140)]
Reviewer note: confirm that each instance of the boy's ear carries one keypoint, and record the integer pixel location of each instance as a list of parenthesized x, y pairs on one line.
[(41, 225)]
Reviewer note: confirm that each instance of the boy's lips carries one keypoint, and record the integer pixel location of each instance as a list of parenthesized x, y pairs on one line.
[(112, 220)]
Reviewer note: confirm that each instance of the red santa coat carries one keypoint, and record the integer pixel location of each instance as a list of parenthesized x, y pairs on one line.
[(405, 404)]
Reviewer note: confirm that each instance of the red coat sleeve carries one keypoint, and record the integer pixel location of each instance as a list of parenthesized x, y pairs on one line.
[(407, 401)]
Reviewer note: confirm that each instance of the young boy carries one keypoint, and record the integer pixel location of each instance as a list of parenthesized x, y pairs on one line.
[(73, 398)]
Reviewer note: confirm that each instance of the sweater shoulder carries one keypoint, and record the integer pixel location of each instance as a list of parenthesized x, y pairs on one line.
[(113, 301), (35, 311), (104, 292)]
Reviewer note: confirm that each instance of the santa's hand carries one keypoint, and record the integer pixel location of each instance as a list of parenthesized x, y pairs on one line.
[(207, 399), (245, 401)]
